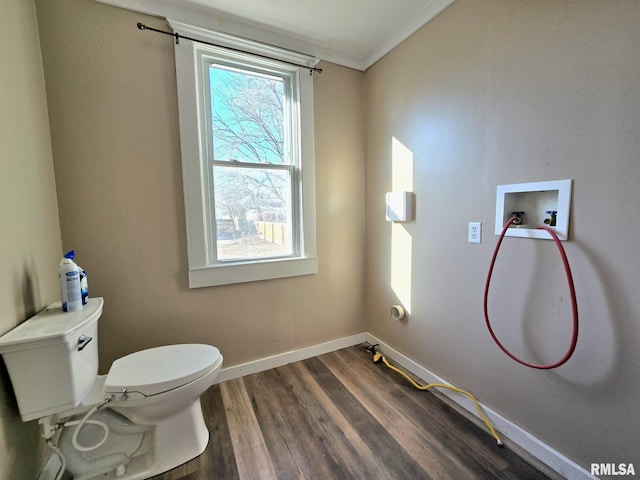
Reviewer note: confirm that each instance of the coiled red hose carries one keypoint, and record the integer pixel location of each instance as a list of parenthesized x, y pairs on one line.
[(572, 292)]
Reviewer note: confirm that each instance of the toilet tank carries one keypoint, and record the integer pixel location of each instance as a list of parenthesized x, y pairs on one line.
[(52, 359)]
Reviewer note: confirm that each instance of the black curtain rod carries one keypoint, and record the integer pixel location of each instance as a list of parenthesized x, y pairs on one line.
[(177, 36)]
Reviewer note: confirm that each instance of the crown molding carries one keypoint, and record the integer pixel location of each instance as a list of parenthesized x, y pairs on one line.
[(212, 19), (428, 12)]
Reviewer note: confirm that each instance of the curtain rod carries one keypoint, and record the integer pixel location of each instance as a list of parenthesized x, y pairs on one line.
[(177, 36)]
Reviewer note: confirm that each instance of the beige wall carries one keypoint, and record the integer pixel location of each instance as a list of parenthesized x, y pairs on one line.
[(30, 247), (495, 92), (490, 92), (112, 101)]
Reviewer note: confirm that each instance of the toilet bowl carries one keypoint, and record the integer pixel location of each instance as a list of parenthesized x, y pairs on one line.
[(158, 381), (157, 422)]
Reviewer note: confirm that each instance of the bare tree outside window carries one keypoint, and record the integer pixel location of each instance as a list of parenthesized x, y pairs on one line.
[(252, 171)]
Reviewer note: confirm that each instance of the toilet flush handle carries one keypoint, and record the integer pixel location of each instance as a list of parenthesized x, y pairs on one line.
[(83, 341)]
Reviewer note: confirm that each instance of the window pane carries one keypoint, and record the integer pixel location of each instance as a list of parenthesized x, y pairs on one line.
[(247, 110), (252, 212)]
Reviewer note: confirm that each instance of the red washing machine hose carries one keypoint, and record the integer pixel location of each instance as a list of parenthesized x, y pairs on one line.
[(574, 304)]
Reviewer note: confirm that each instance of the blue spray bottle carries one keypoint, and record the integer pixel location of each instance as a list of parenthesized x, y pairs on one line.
[(69, 275)]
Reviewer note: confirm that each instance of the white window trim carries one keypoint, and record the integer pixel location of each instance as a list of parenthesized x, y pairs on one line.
[(202, 272)]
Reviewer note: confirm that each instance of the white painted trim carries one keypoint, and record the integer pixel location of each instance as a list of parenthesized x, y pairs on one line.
[(239, 43), (51, 468), (209, 18), (506, 428), (191, 60), (509, 430), (214, 275), (285, 358), (430, 10), (206, 17)]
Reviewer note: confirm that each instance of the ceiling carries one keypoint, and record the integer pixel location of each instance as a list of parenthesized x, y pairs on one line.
[(354, 33)]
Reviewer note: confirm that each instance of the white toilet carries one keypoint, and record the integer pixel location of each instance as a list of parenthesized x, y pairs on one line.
[(142, 418)]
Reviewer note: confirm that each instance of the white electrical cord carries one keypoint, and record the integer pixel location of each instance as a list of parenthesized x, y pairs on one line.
[(81, 423)]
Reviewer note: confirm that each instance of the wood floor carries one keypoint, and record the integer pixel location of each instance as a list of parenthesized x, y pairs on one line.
[(340, 416)]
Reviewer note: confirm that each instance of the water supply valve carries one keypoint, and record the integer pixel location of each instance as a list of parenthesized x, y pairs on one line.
[(551, 218), (519, 218), (48, 426), (527, 206)]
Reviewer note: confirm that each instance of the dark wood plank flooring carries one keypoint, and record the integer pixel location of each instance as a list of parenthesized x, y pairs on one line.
[(340, 416)]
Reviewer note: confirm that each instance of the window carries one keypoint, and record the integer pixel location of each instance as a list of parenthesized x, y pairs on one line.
[(246, 131)]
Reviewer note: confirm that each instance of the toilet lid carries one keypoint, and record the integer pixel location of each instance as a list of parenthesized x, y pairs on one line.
[(160, 369)]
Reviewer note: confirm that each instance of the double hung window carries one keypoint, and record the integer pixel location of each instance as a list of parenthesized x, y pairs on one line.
[(246, 128)]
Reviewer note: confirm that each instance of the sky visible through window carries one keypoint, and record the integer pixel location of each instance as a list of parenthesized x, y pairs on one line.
[(252, 205), (248, 116)]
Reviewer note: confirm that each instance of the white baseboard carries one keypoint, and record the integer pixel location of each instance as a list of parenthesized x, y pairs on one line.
[(51, 468), (274, 361), (509, 430)]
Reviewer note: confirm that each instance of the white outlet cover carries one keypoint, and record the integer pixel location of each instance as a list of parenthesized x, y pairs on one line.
[(475, 232)]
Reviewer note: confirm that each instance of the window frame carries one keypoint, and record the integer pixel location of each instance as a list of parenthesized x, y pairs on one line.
[(204, 268)]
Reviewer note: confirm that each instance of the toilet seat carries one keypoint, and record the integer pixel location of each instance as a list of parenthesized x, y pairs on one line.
[(160, 369)]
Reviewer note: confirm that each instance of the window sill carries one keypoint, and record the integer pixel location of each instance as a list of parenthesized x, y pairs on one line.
[(251, 272)]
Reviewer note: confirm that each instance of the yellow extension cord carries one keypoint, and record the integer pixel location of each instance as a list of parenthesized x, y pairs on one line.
[(377, 357)]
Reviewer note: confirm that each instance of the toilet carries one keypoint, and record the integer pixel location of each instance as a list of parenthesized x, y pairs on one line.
[(140, 419)]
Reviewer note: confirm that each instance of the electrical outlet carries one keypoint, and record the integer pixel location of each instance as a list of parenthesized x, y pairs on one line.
[(475, 232)]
